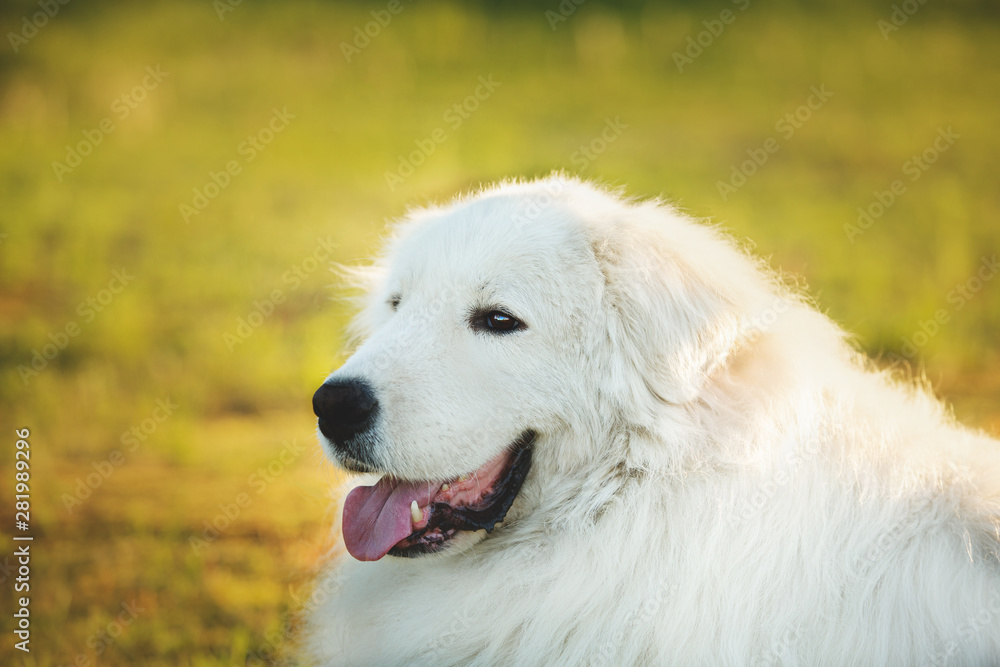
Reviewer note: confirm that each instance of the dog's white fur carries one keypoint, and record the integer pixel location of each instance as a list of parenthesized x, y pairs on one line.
[(719, 478)]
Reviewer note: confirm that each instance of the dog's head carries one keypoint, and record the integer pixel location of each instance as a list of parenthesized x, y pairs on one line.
[(502, 338)]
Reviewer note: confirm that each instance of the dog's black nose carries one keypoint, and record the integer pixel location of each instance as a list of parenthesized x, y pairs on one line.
[(345, 408)]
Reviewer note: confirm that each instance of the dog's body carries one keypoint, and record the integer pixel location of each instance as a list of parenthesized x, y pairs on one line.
[(716, 476)]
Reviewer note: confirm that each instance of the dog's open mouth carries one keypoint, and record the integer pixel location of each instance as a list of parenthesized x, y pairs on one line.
[(403, 518)]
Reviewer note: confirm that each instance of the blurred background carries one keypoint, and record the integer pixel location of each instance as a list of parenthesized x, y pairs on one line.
[(176, 178)]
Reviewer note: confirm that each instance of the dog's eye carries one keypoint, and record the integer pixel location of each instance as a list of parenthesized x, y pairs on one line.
[(394, 301), (496, 321)]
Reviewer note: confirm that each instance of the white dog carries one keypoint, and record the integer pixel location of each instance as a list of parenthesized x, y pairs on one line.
[(605, 435)]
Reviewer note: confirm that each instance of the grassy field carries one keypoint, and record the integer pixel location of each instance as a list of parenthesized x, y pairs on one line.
[(174, 183)]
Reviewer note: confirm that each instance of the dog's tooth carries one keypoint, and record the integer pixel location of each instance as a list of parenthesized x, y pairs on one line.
[(463, 478), (445, 487), (415, 514)]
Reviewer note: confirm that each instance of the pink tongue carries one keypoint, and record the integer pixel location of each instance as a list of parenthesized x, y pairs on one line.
[(376, 517)]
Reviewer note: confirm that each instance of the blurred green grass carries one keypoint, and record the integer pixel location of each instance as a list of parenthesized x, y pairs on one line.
[(324, 177)]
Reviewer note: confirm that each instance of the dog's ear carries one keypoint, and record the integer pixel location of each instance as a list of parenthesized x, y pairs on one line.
[(673, 320)]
